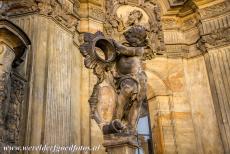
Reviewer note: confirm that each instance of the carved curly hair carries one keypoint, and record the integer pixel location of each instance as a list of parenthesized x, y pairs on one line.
[(136, 36)]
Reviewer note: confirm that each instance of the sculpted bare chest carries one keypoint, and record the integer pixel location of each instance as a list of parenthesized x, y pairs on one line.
[(128, 65)]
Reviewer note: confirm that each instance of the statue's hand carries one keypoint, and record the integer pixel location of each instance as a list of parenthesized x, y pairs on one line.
[(119, 48), (116, 45)]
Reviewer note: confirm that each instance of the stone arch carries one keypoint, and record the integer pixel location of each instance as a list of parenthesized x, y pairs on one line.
[(156, 86), (147, 7), (159, 98), (176, 5), (6, 24), (14, 38), (14, 76)]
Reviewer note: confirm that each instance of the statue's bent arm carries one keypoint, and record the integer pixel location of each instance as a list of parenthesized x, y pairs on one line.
[(128, 51)]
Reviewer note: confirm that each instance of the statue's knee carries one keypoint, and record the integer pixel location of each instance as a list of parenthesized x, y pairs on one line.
[(127, 90), (129, 87)]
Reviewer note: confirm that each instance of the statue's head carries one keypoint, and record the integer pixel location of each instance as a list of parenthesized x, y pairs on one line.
[(136, 36), (135, 15)]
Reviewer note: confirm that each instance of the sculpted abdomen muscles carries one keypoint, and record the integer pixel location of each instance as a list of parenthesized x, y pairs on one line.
[(128, 65)]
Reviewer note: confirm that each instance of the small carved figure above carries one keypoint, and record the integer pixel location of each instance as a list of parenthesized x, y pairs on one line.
[(134, 17)]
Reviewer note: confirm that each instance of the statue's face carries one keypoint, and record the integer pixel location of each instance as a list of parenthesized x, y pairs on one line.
[(135, 42), (136, 36)]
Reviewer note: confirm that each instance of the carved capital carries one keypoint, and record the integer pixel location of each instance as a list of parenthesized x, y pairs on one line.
[(217, 38), (64, 12)]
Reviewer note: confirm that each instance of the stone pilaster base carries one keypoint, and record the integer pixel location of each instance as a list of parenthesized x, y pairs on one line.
[(121, 145)]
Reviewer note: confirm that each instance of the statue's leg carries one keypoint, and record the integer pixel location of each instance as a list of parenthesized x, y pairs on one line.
[(134, 115), (128, 89)]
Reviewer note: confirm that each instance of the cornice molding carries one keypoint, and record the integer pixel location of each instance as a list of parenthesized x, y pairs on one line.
[(214, 10), (215, 39)]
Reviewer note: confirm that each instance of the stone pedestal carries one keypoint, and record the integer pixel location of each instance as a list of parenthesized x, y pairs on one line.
[(121, 145)]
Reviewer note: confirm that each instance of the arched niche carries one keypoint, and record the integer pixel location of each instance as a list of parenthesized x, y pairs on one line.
[(156, 86), (120, 13), (124, 11), (13, 37), (14, 76)]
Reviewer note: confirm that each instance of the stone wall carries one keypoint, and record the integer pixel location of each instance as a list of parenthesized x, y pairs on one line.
[(188, 82), (54, 97), (181, 107)]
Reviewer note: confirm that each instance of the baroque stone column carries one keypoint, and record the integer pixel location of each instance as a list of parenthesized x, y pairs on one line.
[(214, 42)]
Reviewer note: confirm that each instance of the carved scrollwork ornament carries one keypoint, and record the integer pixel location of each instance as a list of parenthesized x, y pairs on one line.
[(215, 10), (201, 45), (115, 25), (54, 8), (216, 38), (14, 110), (95, 59)]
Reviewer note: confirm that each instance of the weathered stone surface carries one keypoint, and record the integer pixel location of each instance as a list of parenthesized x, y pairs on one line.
[(188, 81)]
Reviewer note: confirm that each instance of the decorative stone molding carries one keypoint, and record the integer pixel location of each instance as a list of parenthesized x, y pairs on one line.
[(96, 12), (16, 103), (201, 45), (96, 2), (177, 2), (169, 23), (180, 23), (62, 11), (215, 10), (217, 38), (189, 22)]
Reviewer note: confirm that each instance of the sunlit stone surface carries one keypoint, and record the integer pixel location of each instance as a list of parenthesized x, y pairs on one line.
[(188, 73)]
